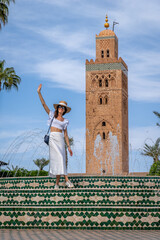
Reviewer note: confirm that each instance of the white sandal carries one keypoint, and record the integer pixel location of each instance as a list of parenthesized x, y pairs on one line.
[(69, 184), (56, 187)]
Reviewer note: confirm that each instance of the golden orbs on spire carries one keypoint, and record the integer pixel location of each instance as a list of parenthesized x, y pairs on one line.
[(106, 25)]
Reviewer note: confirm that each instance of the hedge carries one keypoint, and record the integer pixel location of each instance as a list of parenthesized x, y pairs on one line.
[(23, 173)]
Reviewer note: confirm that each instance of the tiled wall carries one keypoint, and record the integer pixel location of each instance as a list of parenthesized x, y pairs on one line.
[(95, 202)]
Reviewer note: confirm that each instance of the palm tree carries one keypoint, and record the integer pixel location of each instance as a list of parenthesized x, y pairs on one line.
[(4, 12), (8, 77), (152, 151), (13, 168), (70, 143), (41, 163), (158, 115)]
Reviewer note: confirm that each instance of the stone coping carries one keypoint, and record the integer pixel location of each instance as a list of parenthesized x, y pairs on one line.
[(80, 176), (79, 208), (82, 190)]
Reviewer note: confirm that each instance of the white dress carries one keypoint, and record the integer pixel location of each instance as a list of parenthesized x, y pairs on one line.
[(57, 154)]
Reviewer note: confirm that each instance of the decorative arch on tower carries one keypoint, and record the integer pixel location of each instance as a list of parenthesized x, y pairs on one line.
[(99, 129), (93, 83)]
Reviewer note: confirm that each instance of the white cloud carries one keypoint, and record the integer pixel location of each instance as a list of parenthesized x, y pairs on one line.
[(144, 71), (138, 136), (144, 90), (137, 20), (71, 40), (62, 3), (135, 17), (64, 73)]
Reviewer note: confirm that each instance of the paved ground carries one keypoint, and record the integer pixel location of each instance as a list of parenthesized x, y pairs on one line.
[(49, 234)]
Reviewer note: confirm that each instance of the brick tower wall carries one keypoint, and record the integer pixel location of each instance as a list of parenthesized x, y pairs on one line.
[(106, 109)]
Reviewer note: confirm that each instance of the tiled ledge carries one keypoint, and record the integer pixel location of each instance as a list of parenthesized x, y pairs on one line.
[(74, 197), (83, 182), (80, 218)]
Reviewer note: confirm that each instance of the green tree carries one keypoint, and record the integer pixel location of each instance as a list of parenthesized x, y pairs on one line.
[(70, 143), (158, 115), (8, 77), (152, 151), (13, 168), (41, 163), (4, 11)]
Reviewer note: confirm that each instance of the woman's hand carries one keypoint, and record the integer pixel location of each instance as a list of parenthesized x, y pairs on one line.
[(42, 100), (70, 151), (39, 88)]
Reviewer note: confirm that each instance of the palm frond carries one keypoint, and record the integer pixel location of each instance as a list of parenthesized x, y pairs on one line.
[(7, 2), (152, 151), (41, 163), (4, 11), (8, 77), (3, 14), (158, 115)]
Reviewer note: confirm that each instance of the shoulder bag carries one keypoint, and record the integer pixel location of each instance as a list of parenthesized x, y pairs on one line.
[(46, 137)]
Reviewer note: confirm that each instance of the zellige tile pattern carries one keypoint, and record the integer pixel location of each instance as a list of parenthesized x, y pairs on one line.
[(95, 203)]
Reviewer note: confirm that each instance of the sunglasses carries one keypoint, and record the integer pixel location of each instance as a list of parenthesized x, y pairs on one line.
[(62, 107)]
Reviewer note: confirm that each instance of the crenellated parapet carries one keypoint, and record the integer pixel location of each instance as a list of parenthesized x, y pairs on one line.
[(98, 61)]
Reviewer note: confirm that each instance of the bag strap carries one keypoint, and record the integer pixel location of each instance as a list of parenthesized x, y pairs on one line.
[(50, 125)]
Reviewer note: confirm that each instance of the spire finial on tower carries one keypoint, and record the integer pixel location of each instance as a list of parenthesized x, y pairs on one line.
[(106, 25)]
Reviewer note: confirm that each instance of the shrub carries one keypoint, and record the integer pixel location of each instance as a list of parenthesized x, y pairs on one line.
[(21, 172), (6, 173), (155, 169)]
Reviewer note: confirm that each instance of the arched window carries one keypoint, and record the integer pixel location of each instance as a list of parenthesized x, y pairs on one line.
[(106, 82), (104, 136), (102, 54), (106, 100), (107, 52), (100, 83), (103, 123), (100, 100)]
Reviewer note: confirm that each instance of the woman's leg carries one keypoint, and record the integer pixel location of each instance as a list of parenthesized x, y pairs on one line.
[(66, 178), (57, 179)]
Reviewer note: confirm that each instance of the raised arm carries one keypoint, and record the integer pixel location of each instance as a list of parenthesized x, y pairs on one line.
[(42, 100)]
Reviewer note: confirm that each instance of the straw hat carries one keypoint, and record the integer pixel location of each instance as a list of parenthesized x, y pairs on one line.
[(62, 103)]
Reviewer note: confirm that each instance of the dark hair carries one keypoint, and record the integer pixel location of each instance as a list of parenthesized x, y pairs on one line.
[(56, 112)]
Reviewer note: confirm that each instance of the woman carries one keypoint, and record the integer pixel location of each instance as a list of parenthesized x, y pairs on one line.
[(56, 140)]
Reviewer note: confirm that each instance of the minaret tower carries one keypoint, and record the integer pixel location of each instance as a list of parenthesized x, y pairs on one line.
[(106, 108)]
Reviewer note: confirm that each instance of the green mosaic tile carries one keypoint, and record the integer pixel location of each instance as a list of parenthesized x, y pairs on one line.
[(105, 199), (96, 197)]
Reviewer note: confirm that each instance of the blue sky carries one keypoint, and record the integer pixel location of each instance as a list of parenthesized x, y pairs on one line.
[(48, 41)]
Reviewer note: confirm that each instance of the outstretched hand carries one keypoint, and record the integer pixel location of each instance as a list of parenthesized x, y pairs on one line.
[(39, 88)]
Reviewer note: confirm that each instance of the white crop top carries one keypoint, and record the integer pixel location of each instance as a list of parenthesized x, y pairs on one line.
[(57, 123)]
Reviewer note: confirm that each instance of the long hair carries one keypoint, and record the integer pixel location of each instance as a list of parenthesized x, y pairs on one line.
[(56, 112)]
